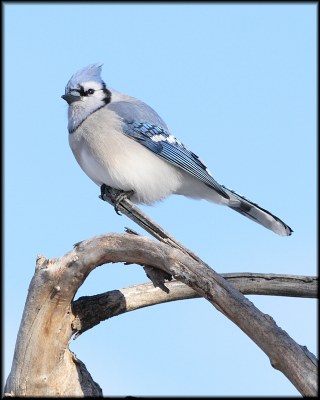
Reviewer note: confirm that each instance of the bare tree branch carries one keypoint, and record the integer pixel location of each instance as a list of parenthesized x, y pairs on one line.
[(145, 222), (42, 356), (91, 310), (274, 284)]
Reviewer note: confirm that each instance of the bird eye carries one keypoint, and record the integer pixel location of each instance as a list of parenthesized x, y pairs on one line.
[(90, 91)]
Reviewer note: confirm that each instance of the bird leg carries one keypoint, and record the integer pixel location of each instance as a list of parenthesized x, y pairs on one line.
[(116, 195)]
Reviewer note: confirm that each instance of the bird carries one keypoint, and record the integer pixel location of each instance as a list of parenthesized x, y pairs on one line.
[(120, 142)]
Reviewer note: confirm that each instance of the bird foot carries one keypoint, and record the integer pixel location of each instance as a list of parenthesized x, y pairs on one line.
[(116, 195)]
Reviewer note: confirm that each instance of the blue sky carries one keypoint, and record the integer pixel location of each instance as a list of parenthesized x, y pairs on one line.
[(237, 84)]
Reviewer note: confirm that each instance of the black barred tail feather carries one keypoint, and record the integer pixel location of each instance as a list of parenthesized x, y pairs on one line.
[(257, 213)]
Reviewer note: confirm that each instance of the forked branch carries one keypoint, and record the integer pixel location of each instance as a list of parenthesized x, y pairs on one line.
[(91, 310), (42, 347), (43, 364)]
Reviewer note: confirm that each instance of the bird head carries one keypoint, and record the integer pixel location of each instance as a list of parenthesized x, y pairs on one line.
[(87, 89), (85, 93)]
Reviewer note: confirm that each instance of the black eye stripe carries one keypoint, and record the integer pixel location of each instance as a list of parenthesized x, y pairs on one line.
[(82, 92), (91, 91)]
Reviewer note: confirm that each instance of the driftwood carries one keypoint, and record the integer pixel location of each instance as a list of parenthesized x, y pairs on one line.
[(43, 365), (91, 310)]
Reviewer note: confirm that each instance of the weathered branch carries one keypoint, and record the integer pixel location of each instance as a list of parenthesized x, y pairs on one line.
[(157, 231), (91, 310), (145, 222), (42, 364), (48, 314), (274, 284)]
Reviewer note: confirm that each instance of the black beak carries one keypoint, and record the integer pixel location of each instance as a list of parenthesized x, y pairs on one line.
[(70, 98)]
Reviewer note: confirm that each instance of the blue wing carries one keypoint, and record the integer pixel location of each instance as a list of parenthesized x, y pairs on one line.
[(154, 135)]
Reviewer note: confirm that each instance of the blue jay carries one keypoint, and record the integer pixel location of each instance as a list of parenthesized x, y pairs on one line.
[(121, 142)]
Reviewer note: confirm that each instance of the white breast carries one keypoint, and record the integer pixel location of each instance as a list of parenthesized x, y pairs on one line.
[(107, 156)]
